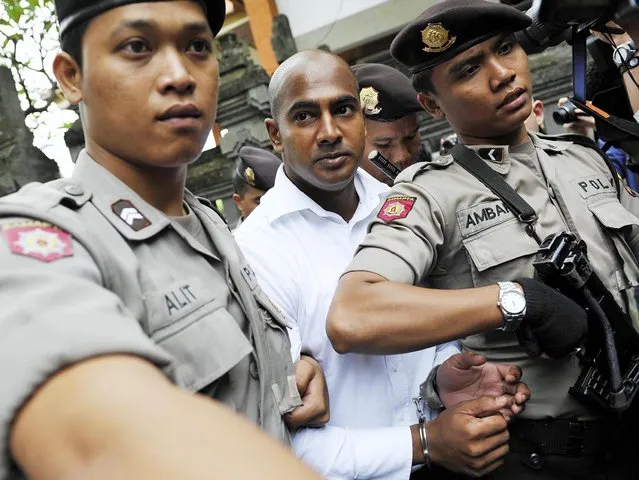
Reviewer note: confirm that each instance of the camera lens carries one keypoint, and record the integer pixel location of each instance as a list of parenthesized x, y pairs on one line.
[(565, 114)]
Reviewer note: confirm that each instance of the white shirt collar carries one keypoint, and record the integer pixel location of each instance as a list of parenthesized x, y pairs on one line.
[(285, 198)]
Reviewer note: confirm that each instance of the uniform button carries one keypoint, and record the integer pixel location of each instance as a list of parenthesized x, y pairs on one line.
[(253, 371), (74, 190), (394, 369)]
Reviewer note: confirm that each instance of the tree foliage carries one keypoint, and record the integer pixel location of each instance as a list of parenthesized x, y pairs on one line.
[(28, 37)]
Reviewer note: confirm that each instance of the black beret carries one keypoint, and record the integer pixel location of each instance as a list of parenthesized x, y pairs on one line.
[(73, 12), (386, 94), (257, 167), (450, 27)]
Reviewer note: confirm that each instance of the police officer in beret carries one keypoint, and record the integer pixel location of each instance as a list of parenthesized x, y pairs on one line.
[(254, 176), (390, 107), (125, 295), (447, 258)]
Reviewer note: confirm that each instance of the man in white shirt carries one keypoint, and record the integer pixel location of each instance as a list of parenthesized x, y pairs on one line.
[(299, 241)]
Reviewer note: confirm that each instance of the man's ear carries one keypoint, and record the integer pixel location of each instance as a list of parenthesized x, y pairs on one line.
[(69, 76), (237, 200), (273, 130), (538, 110), (429, 103)]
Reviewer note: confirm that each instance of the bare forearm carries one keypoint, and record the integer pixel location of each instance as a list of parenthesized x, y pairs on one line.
[(118, 417), (631, 88), (372, 315)]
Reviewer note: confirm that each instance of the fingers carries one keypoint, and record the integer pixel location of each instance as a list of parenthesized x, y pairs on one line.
[(466, 360), (513, 374), (487, 455), (494, 425), (483, 406), (523, 394)]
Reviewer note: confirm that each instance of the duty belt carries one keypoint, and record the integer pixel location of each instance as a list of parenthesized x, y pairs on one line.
[(561, 437)]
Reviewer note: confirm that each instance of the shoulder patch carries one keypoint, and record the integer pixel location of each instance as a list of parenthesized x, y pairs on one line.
[(38, 240), (396, 207)]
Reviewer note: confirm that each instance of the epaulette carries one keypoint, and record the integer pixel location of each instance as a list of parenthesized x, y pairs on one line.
[(436, 163), (588, 143)]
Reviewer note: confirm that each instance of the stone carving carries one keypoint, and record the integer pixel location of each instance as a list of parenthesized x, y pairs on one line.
[(20, 161), (282, 38)]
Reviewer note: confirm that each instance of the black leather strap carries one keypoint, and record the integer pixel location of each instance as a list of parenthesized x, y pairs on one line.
[(472, 163)]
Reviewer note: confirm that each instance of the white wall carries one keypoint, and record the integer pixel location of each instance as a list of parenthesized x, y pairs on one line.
[(344, 24), (308, 15)]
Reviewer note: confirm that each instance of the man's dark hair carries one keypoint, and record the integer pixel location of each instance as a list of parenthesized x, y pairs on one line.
[(71, 43), (239, 186), (423, 81)]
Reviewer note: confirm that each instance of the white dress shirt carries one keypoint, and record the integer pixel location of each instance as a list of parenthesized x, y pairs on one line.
[(298, 251)]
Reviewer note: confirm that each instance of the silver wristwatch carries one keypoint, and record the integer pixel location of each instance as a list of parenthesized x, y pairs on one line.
[(512, 303), (624, 56)]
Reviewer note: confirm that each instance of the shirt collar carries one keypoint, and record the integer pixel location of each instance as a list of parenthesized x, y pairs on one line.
[(134, 218), (285, 198), (549, 145)]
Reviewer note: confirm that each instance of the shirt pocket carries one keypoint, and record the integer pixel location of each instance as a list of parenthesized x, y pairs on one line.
[(203, 338), (616, 221), (500, 253)]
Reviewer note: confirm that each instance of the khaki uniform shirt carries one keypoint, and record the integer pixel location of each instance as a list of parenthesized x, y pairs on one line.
[(89, 268), (442, 228)]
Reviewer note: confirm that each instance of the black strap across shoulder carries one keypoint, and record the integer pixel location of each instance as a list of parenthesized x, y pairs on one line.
[(473, 163)]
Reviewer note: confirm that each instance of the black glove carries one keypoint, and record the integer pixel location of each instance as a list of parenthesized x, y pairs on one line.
[(557, 323)]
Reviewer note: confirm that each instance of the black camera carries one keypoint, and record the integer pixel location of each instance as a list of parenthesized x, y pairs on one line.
[(552, 20), (565, 114)]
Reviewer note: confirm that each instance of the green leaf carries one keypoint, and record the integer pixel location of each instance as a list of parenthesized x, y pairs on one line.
[(14, 11)]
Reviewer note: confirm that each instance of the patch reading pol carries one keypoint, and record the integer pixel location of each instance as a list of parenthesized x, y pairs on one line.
[(482, 216), (396, 207), (594, 185)]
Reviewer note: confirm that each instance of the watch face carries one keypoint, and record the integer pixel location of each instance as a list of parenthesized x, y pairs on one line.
[(513, 302)]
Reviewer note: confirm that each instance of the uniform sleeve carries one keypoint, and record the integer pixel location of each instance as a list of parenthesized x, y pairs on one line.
[(343, 454), (404, 237), (55, 312)]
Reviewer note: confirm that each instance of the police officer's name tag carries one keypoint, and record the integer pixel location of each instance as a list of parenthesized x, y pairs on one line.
[(595, 185), (482, 216), (176, 300)]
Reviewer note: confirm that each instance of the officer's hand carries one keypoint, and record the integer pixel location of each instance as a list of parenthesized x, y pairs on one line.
[(557, 324), (315, 411), (465, 376), (471, 438)]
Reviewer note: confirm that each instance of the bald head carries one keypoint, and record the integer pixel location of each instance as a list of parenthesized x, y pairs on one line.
[(313, 65)]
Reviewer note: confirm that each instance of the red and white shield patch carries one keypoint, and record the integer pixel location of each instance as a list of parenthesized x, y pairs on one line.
[(396, 207), (38, 240)]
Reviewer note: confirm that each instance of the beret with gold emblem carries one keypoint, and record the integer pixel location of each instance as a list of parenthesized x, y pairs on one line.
[(73, 12), (386, 94), (257, 167), (450, 27)]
